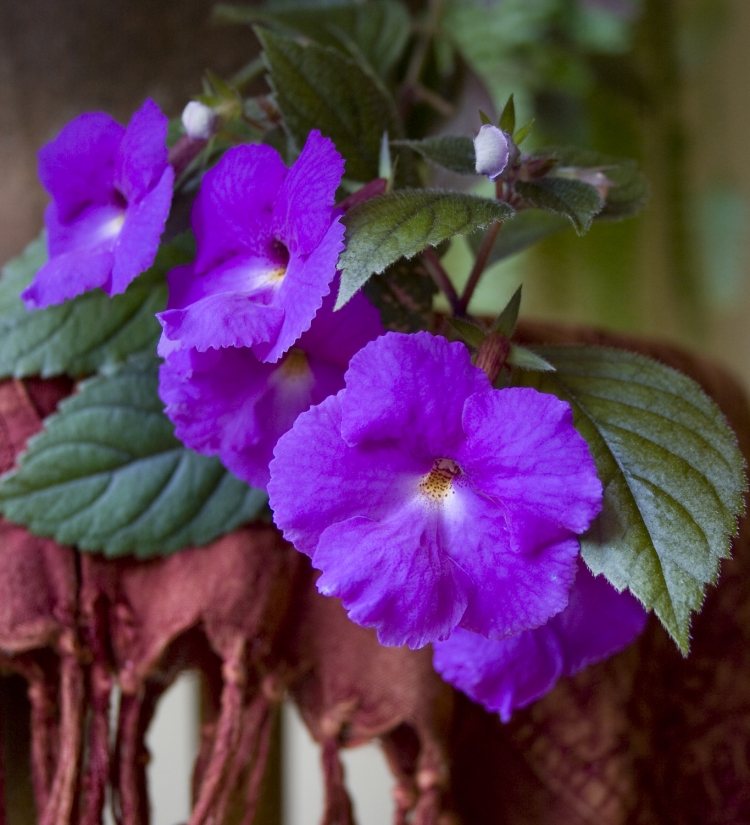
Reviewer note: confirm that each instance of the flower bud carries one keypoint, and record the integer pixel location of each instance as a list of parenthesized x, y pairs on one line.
[(593, 177), (198, 120), (492, 149)]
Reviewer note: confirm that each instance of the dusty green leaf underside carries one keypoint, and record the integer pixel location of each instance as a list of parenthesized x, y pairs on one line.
[(376, 32), (672, 472), (81, 336), (400, 224), (404, 296), (577, 201), (454, 152), (320, 88), (628, 191), (107, 474)]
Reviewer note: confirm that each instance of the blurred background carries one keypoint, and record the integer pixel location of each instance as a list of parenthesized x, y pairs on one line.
[(662, 81)]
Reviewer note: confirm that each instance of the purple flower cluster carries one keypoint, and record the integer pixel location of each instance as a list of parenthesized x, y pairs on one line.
[(437, 508), (250, 339), (111, 189)]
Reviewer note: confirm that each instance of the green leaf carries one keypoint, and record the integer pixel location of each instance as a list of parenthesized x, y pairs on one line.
[(628, 190), (400, 224), (404, 296), (308, 82), (377, 32), (507, 121), (672, 472), (496, 40), (107, 474), (454, 152), (526, 359), (508, 318), (577, 201), (87, 334), (523, 132), (467, 331)]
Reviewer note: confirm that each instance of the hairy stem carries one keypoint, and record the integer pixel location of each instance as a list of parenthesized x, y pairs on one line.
[(411, 83)]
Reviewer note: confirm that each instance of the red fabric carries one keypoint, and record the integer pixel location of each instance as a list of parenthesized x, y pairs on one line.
[(646, 737)]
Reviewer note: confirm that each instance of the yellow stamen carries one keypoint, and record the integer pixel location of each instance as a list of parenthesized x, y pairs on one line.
[(276, 276), (438, 483)]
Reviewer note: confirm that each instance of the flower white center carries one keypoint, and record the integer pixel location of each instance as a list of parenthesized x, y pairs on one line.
[(112, 227)]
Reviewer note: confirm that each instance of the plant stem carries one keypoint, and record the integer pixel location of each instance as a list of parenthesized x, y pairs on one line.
[(247, 74), (424, 95), (480, 262), (441, 279), (410, 87)]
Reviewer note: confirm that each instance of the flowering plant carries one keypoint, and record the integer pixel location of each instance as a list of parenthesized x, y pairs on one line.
[(298, 349)]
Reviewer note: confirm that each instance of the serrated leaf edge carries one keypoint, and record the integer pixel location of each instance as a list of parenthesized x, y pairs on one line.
[(738, 506)]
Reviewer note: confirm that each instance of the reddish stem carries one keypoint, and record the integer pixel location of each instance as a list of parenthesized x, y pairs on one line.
[(477, 270), (440, 277)]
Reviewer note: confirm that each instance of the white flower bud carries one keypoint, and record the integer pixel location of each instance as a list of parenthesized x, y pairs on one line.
[(492, 150), (198, 120)]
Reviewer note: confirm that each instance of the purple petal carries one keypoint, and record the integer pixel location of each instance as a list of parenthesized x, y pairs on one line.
[(335, 337), (410, 598), (138, 243), (522, 449), (598, 621), (501, 675), (213, 398), (67, 276), (226, 319), (312, 466), (142, 158), (226, 402), (254, 277), (520, 570), (234, 208), (95, 228), (303, 209), (507, 674), (413, 383), (302, 291), (77, 167)]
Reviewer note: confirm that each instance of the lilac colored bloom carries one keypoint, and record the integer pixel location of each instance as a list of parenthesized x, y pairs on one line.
[(111, 189), (431, 501), (492, 150), (226, 402), (268, 240), (506, 674)]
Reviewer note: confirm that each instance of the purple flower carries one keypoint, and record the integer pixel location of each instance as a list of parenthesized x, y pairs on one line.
[(506, 674), (225, 402), (111, 189), (430, 500), (268, 240)]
